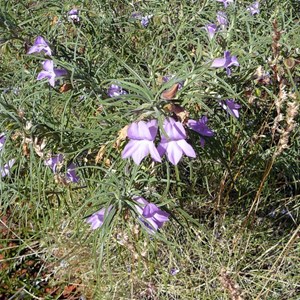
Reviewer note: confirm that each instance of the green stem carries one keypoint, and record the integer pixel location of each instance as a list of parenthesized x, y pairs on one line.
[(178, 186)]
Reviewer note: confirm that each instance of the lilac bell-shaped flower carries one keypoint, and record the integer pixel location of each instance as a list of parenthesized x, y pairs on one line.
[(96, 220), (142, 136), (231, 107), (71, 173), (211, 30), (2, 140), (201, 127), (222, 19), (145, 20), (73, 15), (115, 91), (151, 215), (50, 72), (174, 145), (54, 161), (6, 169), (40, 45), (254, 8), (225, 62)]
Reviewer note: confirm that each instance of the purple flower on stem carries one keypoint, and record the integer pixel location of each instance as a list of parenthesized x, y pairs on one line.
[(231, 107), (2, 140), (174, 271), (141, 135), (225, 62), (96, 220), (115, 91), (54, 161), (71, 173), (73, 15), (174, 145), (211, 30), (50, 72), (151, 215), (201, 127), (40, 45), (225, 2), (145, 20), (6, 169), (222, 19), (254, 8)]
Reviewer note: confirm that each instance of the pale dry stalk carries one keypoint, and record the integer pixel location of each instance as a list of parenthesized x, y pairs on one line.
[(291, 113)]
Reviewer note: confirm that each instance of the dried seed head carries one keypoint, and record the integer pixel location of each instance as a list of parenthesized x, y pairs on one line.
[(170, 93)]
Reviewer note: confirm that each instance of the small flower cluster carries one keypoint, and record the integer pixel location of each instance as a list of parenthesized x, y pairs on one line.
[(173, 141), (222, 20), (49, 71), (151, 216)]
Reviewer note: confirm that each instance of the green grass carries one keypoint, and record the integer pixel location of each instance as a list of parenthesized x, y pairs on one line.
[(234, 226)]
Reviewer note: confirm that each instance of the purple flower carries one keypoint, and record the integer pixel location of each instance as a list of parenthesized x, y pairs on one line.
[(54, 161), (115, 91), (50, 72), (151, 215), (211, 30), (2, 140), (144, 20), (6, 169), (96, 220), (174, 144), (201, 127), (225, 2), (73, 15), (254, 8), (222, 18), (71, 173), (231, 107), (174, 271), (141, 135), (225, 62), (40, 45)]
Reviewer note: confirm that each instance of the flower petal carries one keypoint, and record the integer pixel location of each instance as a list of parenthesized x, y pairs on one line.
[(218, 63), (154, 152), (139, 131), (152, 125), (44, 74), (174, 130), (186, 148), (149, 210), (174, 152), (137, 149), (48, 65), (60, 72)]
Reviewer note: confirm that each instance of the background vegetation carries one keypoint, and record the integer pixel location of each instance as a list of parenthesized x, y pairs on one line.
[(234, 226)]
